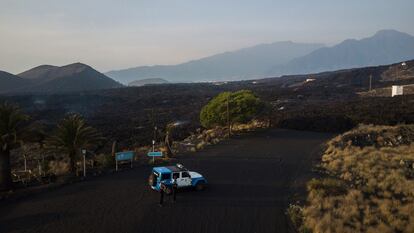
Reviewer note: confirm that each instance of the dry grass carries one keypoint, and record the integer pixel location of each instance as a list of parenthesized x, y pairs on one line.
[(372, 184)]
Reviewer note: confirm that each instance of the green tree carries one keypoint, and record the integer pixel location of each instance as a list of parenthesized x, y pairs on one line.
[(11, 130), (243, 106), (73, 135)]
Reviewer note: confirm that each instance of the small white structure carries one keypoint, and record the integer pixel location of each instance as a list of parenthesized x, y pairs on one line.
[(310, 80), (397, 90)]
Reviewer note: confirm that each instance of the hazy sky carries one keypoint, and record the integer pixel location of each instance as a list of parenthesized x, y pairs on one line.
[(120, 34)]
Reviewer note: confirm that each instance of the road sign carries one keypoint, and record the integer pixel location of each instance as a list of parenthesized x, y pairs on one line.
[(155, 154), (126, 155), (122, 156)]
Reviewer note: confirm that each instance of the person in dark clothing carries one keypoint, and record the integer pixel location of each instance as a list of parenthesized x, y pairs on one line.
[(174, 186), (162, 188)]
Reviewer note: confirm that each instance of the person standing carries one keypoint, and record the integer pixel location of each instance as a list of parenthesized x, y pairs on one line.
[(174, 187), (162, 190)]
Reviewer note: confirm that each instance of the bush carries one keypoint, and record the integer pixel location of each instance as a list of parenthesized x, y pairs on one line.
[(295, 214), (371, 188), (58, 167), (243, 107), (105, 160)]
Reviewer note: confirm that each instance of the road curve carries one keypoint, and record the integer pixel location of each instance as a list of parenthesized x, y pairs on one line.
[(250, 180)]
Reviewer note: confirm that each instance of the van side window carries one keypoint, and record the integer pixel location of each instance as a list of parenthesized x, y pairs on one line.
[(185, 174), (176, 175)]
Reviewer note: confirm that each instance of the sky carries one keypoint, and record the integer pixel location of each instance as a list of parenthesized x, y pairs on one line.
[(118, 34)]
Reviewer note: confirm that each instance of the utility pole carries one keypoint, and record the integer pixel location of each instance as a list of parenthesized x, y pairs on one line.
[(370, 82), (228, 115), (403, 66), (153, 123), (25, 162)]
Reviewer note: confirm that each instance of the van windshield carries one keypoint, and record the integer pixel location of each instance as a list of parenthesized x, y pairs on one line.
[(166, 176)]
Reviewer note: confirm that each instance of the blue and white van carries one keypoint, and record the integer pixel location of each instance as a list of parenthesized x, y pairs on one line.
[(183, 177)]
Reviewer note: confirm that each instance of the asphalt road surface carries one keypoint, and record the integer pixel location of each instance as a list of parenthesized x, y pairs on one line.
[(250, 181)]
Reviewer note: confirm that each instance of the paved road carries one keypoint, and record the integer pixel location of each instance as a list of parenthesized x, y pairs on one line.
[(250, 180)]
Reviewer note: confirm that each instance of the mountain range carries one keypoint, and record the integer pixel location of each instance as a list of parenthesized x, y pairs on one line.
[(265, 60), (54, 79), (247, 63), (281, 58), (385, 47)]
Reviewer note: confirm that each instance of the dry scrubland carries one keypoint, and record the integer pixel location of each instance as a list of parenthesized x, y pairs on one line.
[(368, 184)]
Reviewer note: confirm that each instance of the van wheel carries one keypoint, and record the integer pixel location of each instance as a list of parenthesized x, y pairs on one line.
[(199, 186)]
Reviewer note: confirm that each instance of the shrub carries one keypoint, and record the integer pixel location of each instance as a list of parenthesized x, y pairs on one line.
[(58, 167), (243, 107), (295, 214), (105, 160), (371, 185)]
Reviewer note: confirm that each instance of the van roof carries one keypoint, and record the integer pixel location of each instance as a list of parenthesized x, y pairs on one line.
[(168, 169)]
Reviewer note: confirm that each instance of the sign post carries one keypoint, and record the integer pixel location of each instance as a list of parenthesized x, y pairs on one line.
[(123, 156), (154, 154), (153, 149), (84, 162)]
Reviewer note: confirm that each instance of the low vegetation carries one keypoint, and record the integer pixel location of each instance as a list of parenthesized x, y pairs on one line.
[(231, 107), (11, 131), (37, 155), (368, 184)]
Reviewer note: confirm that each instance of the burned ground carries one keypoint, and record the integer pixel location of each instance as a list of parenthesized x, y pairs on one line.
[(250, 181), (128, 115)]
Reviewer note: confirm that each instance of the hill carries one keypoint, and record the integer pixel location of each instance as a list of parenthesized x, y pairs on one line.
[(10, 82), (148, 81), (385, 47), (69, 78), (42, 72), (247, 63)]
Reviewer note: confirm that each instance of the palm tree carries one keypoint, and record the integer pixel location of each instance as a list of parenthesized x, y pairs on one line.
[(168, 140), (11, 129), (73, 135)]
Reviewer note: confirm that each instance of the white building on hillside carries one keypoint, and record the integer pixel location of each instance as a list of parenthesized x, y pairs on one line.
[(397, 90)]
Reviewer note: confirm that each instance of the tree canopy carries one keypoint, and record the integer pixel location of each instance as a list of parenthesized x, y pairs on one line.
[(244, 105)]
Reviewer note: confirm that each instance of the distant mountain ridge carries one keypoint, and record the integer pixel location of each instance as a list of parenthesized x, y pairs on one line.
[(53, 79), (247, 63), (385, 47), (281, 58)]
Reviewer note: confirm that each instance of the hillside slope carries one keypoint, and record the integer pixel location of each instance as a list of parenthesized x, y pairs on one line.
[(10, 82), (42, 72), (370, 185)]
